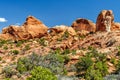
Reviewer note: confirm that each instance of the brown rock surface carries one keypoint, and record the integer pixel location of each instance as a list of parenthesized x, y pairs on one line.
[(61, 29), (84, 24), (32, 28), (103, 20), (115, 27)]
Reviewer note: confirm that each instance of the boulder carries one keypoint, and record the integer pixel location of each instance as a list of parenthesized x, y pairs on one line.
[(83, 25), (105, 20)]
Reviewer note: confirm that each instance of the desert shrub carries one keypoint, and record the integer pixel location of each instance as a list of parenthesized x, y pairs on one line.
[(97, 55), (2, 42), (65, 35), (113, 61), (5, 47), (62, 77), (0, 58), (92, 74), (73, 52), (54, 62), (7, 79), (83, 64), (57, 51), (40, 73), (102, 67), (27, 47), (66, 51), (66, 59), (118, 50), (8, 71), (19, 43), (112, 77), (118, 66), (23, 65), (43, 42), (92, 66), (15, 52)]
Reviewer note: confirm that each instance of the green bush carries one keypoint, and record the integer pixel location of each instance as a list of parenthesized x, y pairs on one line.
[(27, 47), (19, 43), (2, 42), (54, 62), (0, 58), (66, 51), (5, 47), (92, 74), (8, 71), (15, 52), (43, 42), (102, 67), (118, 67), (22, 65), (40, 73), (92, 66), (118, 50), (84, 63), (65, 35)]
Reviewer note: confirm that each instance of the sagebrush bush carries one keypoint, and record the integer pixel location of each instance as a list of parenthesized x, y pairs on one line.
[(23, 65), (84, 63), (2, 42), (15, 52), (112, 77), (92, 66), (54, 62), (8, 71), (43, 42), (40, 73)]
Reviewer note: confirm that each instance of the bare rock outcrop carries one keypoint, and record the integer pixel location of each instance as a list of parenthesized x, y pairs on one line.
[(61, 29), (105, 20), (32, 28), (115, 27), (84, 25)]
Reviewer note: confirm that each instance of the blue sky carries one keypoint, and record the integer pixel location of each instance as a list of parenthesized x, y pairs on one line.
[(54, 12)]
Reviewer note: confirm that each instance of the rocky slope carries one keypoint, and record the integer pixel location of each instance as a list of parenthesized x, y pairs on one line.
[(74, 42)]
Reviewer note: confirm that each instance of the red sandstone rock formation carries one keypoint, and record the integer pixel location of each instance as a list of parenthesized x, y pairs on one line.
[(84, 24), (103, 21), (32, 28), (61, 29)]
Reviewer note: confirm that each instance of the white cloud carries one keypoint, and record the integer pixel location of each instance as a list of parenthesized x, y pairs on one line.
[(3, 20)]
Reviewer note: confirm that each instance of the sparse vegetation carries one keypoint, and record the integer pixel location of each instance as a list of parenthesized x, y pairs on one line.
[(27, 47), (8, 71), (5, 47), (65, 35), (54, 62), (43, 42), (93, 66), (85, 63)]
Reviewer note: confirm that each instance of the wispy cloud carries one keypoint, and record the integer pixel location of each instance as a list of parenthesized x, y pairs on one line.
[(3, 20)]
